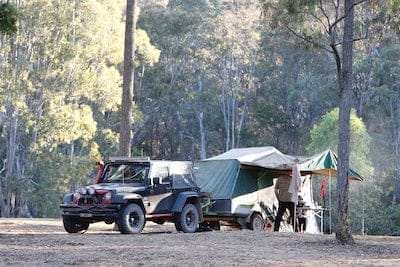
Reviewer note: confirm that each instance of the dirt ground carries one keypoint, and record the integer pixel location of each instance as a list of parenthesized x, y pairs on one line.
[(43, 242)]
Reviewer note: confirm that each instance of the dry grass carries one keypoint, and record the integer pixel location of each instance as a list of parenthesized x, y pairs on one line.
[(43, 242)]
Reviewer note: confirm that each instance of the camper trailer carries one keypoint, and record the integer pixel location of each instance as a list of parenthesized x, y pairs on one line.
[(241, 186)]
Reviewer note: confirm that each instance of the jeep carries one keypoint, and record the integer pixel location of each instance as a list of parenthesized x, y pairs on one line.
[(130, 191)]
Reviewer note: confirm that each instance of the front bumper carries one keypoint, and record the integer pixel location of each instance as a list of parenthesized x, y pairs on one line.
[(91, 212)]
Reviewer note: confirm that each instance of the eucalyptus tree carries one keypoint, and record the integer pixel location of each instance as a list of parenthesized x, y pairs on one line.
[(45, 94), (236, 64), (175, 96), (328, 25), (296, 86), (128, 78), (61, 92), (382, 111)]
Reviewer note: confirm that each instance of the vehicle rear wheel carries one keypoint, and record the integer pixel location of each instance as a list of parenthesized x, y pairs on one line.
[(131, 219), (188, 219), (257, 222), (73, 226)]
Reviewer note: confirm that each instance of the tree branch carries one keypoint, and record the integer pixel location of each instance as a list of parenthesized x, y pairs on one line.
[(324, 13), (308, 39), (342, 17), (353, 40), (320, 21)]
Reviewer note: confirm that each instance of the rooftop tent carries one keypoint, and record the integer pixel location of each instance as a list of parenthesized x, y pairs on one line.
[(325, 163)]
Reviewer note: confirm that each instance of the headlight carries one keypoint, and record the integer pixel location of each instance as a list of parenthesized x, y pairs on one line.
[(83, 190), (107, 198), (76, 197), (91, 191)]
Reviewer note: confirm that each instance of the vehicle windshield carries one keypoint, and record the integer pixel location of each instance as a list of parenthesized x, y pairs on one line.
[(125, 173)]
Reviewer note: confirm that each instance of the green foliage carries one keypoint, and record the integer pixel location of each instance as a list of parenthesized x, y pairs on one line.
[(295, 7), (8, 18), (394, 6), (146, 52), (324, 136), (195, 60), (64, 91), (76, 118), (54, 175)]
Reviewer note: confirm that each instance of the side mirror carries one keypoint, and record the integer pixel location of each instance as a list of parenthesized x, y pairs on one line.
[(156, 180)]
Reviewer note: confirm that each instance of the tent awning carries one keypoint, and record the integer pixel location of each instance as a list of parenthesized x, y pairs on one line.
[(325, 163), (269, 157)]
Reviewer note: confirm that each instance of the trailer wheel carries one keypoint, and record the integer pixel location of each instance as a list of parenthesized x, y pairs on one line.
[(188, 220), (257, 222), (131, 219)]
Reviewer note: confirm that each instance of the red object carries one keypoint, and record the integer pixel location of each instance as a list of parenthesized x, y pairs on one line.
[(322, 190)]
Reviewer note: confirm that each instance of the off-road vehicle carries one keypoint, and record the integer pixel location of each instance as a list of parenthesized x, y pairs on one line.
[(130, 191)]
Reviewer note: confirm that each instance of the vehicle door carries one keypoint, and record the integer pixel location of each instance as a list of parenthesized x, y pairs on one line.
[(160, 199)]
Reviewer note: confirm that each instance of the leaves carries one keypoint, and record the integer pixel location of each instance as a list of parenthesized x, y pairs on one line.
[(8, 18)]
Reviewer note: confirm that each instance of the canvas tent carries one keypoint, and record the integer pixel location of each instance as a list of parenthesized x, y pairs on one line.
[(245, 176), (240, 171), (241, 180)]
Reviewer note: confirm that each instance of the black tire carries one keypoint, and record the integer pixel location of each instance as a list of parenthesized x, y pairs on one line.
[(131, 219), (177, 222), (188, 219), (257, 222), (73, 226)]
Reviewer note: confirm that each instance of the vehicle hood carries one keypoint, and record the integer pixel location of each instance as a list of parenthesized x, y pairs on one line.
[(119, 187)]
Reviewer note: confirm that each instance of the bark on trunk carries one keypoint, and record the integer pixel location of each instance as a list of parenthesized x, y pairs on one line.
[(343, 233), (128, 79), (7, 200), (396, 193), (203, 151)]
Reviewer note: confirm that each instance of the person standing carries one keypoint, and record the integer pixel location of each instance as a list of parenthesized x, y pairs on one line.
[(301, 214), (285, 199)]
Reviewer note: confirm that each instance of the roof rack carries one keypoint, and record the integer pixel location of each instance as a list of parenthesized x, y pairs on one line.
[(129, 159)]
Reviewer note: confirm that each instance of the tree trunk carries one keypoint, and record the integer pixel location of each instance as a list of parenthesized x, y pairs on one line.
[(396, 192), (128, 80), (203, 151), (7, 195), (345, 88)]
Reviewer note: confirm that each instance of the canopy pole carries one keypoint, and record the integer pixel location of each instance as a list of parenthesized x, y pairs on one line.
[(330, 204), (294, 215), (363, 210)]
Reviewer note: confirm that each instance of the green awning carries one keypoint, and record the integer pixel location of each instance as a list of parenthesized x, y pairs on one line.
[(325, 163)]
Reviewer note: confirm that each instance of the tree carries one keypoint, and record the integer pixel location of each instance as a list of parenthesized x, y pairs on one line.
[(8, 18), (345, 72), (364, 194), (294, 15), (128, 80)]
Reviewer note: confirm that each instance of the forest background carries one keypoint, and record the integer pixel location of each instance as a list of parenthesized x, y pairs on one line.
[(210, 75)]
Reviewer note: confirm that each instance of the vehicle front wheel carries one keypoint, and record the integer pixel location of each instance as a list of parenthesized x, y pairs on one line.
[(257, 222), (131, 219), (73, 226), (188, 219)]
